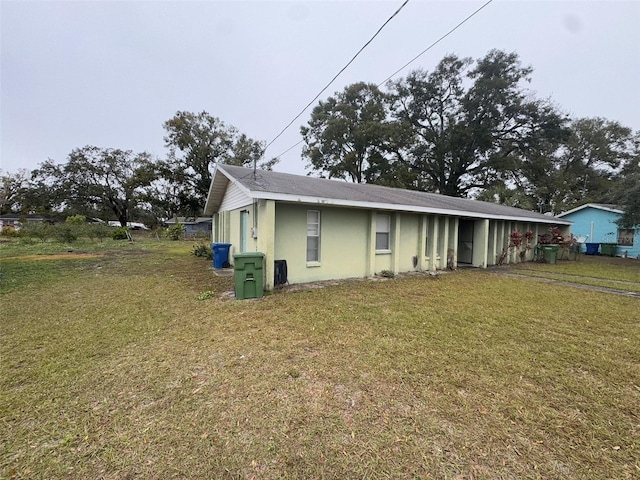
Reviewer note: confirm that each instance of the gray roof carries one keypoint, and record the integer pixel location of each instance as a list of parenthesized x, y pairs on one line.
[(304, 189), (188, 220)]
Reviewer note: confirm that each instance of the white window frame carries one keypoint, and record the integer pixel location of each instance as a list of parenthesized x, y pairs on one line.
[(313, 232), (383, 229)]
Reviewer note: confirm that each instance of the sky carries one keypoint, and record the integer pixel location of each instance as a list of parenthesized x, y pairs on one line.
[(110, 73)]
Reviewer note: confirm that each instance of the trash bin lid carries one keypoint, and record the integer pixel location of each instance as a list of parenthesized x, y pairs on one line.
[(248, 255)]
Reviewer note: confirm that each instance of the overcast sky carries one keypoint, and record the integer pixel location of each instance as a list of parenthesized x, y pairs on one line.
[(110, 73)]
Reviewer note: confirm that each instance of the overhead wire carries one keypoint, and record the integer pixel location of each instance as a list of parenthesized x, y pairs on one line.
[(465, 20), (469, 17), (337, 74)]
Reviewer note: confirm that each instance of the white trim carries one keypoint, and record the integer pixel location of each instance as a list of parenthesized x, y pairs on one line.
[(398, 208), (592, 205)]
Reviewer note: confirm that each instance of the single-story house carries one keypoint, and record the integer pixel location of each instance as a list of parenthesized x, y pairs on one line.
[(15, 220), (192, 225), (596, 222), (329, 229)]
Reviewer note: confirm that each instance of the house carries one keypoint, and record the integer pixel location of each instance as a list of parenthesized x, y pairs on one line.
[(15, 220), (329, 229), (597, 222), (192, 225)]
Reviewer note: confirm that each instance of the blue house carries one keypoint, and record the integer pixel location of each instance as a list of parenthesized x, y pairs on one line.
[(597, 223)]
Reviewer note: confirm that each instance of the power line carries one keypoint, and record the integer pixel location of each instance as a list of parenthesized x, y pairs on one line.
[(434, 44), (390, 76), (290, 148), (336, 76)]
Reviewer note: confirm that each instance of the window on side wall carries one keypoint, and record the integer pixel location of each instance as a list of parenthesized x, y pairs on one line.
[(625, 237), (383, 229), (313, 236)]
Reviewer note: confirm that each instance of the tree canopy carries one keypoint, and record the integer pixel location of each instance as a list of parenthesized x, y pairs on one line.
[(471, 129), (12, 190), (94, 181), (196, 142)]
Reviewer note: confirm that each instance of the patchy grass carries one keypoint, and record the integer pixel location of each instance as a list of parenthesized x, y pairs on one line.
[(604, 268), (112, 368), (615, 273), (621, 285)]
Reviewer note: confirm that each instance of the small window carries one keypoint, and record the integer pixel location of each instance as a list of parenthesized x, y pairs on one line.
[(383, 227), (313, 236), (625, 237)]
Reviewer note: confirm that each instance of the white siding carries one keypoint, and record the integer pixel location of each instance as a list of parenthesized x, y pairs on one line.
[(234, 198)]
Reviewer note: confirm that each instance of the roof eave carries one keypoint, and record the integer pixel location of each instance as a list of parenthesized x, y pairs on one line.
[(395, 207)]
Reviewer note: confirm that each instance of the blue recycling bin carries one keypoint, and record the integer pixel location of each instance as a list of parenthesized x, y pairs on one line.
[(592, 248), (220, 254)]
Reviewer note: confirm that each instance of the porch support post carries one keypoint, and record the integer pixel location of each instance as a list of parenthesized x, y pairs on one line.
[(455, 222), (267, 238), (371, 245), (435, 241), (483, 238), (422, 243), (395, 247)]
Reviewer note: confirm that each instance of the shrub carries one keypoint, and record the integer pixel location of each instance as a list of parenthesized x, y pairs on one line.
[(66, 233), (98, 231), (175, 232), (120, 233), (9, 231), (78, 220), (202, 250), (40, 230)]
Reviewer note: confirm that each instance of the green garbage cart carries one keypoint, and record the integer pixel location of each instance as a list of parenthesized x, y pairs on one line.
[(608, 249), (550, 253), (248, 274)]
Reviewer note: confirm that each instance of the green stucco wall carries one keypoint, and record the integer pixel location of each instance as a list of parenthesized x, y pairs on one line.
[(344, 235), (347, 240)]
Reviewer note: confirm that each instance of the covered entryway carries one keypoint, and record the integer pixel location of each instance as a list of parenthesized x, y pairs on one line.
[(465, 241)]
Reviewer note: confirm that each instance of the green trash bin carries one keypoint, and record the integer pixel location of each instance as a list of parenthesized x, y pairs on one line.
[(550, 253), (248, 274), (608, 249)]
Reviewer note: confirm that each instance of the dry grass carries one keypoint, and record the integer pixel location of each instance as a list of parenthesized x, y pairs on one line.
[(614, 273), (113, 369)]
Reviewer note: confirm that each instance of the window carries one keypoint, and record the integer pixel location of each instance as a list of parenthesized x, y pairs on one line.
[(625, 237), (313, 236), (383, 227)]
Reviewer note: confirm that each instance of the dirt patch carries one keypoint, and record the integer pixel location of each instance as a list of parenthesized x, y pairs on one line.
[(57, 256)]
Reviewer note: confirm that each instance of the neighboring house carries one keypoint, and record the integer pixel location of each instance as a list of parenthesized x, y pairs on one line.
[(597, 222), (16, 220), (328, 229), (192, 225)]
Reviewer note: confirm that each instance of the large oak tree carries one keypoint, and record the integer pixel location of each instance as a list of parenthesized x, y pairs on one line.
[(95, 181), (196, 142)]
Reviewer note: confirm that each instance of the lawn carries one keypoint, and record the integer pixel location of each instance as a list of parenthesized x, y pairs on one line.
[(616, 273), (113, 367)]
